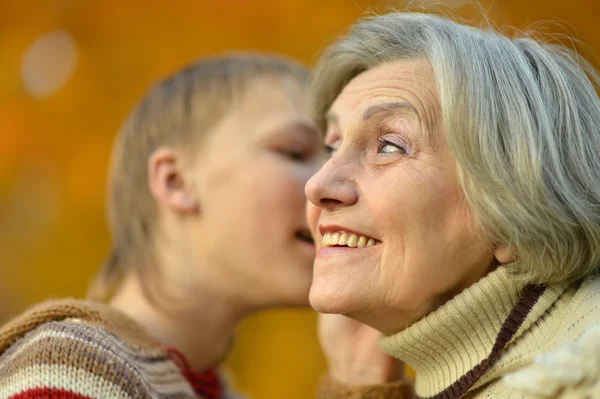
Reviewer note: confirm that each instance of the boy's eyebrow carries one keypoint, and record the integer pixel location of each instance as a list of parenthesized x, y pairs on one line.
[(331, 117)]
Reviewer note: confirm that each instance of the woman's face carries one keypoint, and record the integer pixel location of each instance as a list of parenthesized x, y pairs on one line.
[(250, 175), (391, 180)]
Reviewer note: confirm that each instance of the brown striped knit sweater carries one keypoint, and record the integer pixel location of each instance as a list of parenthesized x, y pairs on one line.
[(75, 349)]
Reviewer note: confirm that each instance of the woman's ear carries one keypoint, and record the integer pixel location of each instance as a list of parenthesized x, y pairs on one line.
[(504, 255), (168, 183)]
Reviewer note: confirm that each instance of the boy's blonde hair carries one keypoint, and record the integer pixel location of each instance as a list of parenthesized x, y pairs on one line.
[(178, 111)]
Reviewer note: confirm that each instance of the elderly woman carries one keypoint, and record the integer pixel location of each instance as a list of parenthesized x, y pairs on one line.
[(459, 213)]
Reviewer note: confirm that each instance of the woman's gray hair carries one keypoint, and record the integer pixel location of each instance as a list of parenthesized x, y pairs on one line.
[(522, 119)]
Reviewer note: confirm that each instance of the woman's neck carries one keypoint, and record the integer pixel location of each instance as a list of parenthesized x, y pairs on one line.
[(202, 328)]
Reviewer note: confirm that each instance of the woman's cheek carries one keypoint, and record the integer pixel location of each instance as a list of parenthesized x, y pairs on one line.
[(312, 215)]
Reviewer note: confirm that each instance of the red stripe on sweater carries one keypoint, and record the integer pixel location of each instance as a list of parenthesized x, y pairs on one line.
[(48, 393)]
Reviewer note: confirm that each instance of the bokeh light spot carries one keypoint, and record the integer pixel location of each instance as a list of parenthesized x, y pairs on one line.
[(49, 63)]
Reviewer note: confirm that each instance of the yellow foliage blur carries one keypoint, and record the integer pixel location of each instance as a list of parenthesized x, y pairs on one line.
[(59, 113)]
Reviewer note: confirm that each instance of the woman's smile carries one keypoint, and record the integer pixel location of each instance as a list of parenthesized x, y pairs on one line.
[(338, 240)]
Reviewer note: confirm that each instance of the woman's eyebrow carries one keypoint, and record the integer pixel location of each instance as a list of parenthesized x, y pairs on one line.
[(384, 107)]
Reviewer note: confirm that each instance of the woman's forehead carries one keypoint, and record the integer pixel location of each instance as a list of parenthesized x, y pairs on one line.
[(406, 86), (410, 81)]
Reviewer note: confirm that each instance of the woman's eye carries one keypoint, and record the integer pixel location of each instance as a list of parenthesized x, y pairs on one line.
[(387, 147)]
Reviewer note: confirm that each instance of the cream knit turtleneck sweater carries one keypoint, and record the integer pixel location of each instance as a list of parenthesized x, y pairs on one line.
[(497, 327)]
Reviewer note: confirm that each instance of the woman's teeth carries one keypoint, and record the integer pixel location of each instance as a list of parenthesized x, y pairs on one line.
[(342, 238)]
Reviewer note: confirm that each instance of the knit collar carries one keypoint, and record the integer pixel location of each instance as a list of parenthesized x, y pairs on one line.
[(454, 340), (206, 384)]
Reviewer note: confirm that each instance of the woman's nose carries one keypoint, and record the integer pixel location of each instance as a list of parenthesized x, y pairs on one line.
[(332, 186)]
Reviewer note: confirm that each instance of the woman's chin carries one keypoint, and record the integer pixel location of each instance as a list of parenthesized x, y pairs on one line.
[(326, 300)]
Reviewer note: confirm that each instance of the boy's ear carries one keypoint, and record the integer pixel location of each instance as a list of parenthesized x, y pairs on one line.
[(168, 183)]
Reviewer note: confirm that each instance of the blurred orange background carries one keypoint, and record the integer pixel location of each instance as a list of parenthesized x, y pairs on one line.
[(70, 70)]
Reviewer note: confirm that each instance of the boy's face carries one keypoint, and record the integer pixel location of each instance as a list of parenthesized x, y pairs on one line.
[(249, 179)]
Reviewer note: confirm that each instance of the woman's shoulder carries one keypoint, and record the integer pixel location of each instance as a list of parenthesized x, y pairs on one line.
[(581, 312), (572, 369), (84, 349)]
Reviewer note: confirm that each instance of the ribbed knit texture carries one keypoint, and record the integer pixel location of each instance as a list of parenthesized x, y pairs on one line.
[(454, 339)]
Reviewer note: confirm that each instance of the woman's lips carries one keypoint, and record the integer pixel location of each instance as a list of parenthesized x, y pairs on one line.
[(339, 236), (327, 252), (337, 240)]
